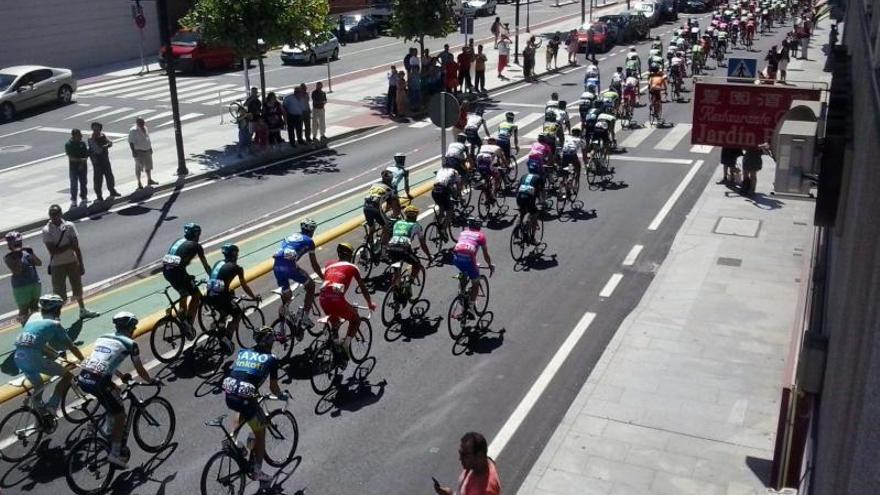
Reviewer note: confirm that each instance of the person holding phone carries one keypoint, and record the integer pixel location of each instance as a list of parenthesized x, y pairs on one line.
[(479, 475), (23, 263)]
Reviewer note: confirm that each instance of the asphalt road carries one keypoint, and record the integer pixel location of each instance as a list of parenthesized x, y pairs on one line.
[(401, 426)]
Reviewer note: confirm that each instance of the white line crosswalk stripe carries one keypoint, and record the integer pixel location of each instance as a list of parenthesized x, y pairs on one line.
[(165, 96), (132, 115), (158, 116), (160, 88), (671, 139), (189, 93), (420, 124), (99, 108), (183, 118), (636, 137), (125, 86), (223, 94), (120, 82), (112, 112), (701, 148)]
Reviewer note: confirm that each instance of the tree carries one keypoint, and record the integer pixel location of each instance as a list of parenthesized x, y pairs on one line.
[(415, 19), (239, 24)]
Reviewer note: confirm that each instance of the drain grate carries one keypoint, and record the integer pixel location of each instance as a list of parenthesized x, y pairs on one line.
[(729, 261), (742, 227)]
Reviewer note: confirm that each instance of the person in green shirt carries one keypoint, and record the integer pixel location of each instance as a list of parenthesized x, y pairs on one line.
[(400, 248), (77, 154)]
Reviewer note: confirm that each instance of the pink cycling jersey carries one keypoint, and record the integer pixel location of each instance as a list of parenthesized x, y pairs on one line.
[(469, 242), (539, 150)]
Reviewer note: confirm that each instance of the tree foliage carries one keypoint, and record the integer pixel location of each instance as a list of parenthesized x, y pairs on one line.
[(416, 19), (239, 23)]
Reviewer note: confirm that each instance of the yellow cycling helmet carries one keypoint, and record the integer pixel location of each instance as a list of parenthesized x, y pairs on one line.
[(344, 248), (411, 211)]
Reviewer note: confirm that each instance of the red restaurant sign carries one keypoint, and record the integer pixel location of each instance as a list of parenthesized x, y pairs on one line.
[(741, 116)]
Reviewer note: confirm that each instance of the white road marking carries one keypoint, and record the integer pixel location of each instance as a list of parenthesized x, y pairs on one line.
[(651, 159), (611, 285), (636, 137), (183, 118), (222, 94), (158, 116), (531, 398), (184, 97), (62, 130), (701, 148), (136, 113), (99, 108), (632, 255), (420, 124), (671, 139), (112, 112), (29, 129), (675, 195), (116, 82), (165, 96)]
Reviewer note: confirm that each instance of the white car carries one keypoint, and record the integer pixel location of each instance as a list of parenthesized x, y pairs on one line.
[(651, 10), (28, 86), (325, 46), (486, 7)]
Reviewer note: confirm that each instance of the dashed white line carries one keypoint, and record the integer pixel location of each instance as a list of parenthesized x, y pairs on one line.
[(611, 285), (675, 195), (632, 255)]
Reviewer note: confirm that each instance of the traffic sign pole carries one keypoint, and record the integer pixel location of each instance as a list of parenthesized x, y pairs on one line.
[(442, 130)]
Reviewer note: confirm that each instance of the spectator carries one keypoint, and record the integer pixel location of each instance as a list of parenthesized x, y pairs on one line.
[(464, 69), (529, 51), (254, 109), (341, 30), (784, 59), (480, 70), (496, 30), (479, 475), (293, 114), (505, 30), (552, 52), (78, 171), (273, 112), (414, 89), (406, 58), (793, 43), (503, 55), (391, 98), (590, 50), (451, 76), (65, 259), (402, 110), (729, 156), (415, 63), (772, 60), (22, 264), (446, 56), (319, 100), (242, 120), (99, 151), (571, 45), (306, 112), (142, 152), (752, 163)]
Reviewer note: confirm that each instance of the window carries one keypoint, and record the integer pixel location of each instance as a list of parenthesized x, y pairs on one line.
[(40, 75)]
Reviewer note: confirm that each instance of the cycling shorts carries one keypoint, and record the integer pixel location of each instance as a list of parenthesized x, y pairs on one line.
[(466, 264), (473, 137), (527, 203), (535, 165), (223, 303), (337, 308), (442, 196), (182, 282), (504, 144), (374, 215), (103, 389), (249, 408), (32, 363), (285, 271), (402, 252), (570, 157)]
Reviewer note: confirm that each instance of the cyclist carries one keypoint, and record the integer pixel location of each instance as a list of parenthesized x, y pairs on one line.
[(490, 157), (242, 390), (529, 192), (398, 173), (610, 120), (656, 85), (174, 265), (721, 46), (96, 378), (573, 150), (696, 58), (286, 268), (471, 240), (657, 44), (446, 183), (507, 129), (591, 85), (220, 294), (610, 101), (592, 73), (540, 155), (553, 102), (677, 70), (376, 203), (633, 64), (35, 348), (585, 104), (631, 91), (472, 128), (617, 80), (457, 154), (338, 275), (553, 130), (404, 232), (562, 117)]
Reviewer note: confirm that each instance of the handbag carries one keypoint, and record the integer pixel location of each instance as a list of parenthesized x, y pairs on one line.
[(57, 245)]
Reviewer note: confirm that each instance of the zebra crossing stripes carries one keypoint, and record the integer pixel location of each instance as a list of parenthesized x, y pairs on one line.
[(135, 114), (636, 137), (701, 148), (673, 136), (99, 108)]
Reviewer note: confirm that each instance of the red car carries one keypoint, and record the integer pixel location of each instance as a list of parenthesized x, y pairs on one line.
[(192, 54), (601, 39)]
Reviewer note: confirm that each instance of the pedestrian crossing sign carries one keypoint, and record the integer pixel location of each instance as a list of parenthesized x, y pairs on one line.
[(742, 68)]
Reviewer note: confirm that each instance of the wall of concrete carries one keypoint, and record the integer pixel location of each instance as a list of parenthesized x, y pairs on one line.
[(74, 34)]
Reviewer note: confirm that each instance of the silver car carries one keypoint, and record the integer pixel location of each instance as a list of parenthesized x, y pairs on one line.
[(325, 46), (27, 86)]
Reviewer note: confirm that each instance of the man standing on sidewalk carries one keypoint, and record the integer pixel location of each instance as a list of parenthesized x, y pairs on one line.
[(65, 259), (479, 475), (306, 112), (464, 70), (391, 98), (78, 155), (293, 115), (319, 124), (480, 70), (503, 55), (99, 151), (142, 151)]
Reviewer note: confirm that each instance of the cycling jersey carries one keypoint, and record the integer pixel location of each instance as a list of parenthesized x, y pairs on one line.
[(181, 253), (404, 232), (469, 242), (295, 247), (376, 195), (592, 71), (492, 149), (506, 130), (539, 150), (653, 52), (561, 117), (573, 145), (397, 175), (530, 184), (337, 278), (222, 274), (38, 332), (474, 122), (249, 371), (457, 150), (109, 352), (446, 177), (657, 82), (551, 128)]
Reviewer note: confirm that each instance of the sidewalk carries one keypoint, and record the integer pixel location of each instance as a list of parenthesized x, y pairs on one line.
[(354, 106), (685, 398)]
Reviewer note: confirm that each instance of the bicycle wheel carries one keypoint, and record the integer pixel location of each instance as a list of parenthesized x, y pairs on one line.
[(574, 187), (255, 315), (392, 303), (363, 258), (77, 406), (167, 340), (207, 317), (154, 424), (362, 342), (434, 238), (20, 433), (89, 471), (417, 285), (562, 196), (282, 346), (484, 206), (456, 319), (592, 170), (517, 243), (538, 234), (224, 475), (482, 301), (512, 172), (282, 438), (244, 334), (236, 110), (324, 369)]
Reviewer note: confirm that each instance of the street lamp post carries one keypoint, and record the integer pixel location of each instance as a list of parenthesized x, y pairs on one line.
[(516, 36), (165, 36), (583, 10), (261, 49)]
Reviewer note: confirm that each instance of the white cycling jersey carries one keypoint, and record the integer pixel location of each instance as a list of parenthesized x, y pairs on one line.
[(573, 145), (474, 122), (456, 150), (446, 176)]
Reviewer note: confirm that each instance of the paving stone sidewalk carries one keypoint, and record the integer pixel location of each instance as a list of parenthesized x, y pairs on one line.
[(685, 398)]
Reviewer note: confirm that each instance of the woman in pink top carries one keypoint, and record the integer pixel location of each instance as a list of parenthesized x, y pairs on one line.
[(479, 475)]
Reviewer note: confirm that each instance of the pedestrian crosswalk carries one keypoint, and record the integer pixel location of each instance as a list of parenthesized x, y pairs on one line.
[(154, 87)]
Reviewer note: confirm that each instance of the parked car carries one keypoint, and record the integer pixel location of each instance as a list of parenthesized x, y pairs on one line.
[(193, 54), (324, 46), (382, 11), (604, 36), (484, 7), (28, 86), (463, 9), (669, 10), (359, 27), (638, 24), (695, 6), (616, 25), (651, 9)]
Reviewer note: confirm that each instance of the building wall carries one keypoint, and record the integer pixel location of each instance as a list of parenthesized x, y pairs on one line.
[(848, 426), (73, 33)]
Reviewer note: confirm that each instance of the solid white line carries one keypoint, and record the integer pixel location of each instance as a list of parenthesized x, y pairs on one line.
[(117, 81), (528, 402), (183, 118), (651, 159), (25, 164), (675, 195), (158, 116), (611, 285), (112, 112), (632, 255), (19, 132)]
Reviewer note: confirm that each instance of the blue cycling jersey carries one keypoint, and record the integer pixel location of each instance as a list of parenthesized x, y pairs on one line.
[(295, 247), (38, 332), (397, 175)]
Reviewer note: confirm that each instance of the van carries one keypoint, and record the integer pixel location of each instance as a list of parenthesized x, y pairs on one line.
[(651, 9)]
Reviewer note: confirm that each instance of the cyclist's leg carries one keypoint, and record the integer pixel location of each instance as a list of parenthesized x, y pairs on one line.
[(29, 361), (52, 368), (468, 266), (282, 272), (300, 276), (415, 262), (234, 311)]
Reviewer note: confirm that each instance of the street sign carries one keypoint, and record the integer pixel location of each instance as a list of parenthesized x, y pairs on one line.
[(467, 25), (741, 116), (742, 68), (443, 109)]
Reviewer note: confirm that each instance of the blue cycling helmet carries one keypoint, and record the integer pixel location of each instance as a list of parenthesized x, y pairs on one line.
[(192, 231), (230, 252)]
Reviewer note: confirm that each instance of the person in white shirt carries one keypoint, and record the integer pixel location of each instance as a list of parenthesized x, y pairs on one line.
[(142, 151), (503, 55)]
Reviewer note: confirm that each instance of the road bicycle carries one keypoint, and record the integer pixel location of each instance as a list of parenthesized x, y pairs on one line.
[(152, 420), (443, 228), (719, 55), (228, 470), (626, 112), (656, 114), (491, 201), (214, 324), (527, 233), (328, 357), (598, 167), (369, 254), (167, 340), (458, 315), (407, 290), (288, 326), (569, 186), (677, 84)]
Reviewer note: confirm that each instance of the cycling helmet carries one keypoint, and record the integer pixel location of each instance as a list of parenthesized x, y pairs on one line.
[(509, 116), (387, 175), (125, 321), (587, 95), (562, 104), (591, 117), (192, 231), (474, 223), (308, 226), (575, 132), (411, 211), (554, 96), (491, 140), (461, 138), (399, 159), (550, 116), (51, 303), (620, 69), (230, 252), (263, 337), (13, 238), (344, 249), (542, 138)]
